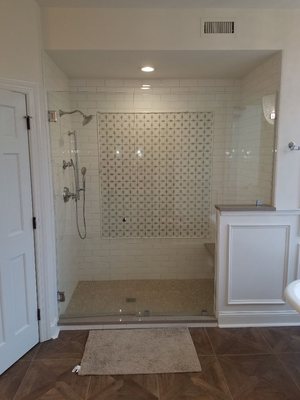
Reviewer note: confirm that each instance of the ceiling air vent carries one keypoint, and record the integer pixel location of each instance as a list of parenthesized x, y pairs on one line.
[(210, 27)]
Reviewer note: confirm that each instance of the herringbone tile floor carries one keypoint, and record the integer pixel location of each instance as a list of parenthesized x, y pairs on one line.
[(237, 364)]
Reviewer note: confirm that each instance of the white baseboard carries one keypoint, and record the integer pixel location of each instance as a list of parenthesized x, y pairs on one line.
[(239, 319), (54, 329)]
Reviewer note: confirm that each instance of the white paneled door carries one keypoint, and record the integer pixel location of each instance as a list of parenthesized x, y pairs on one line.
[(18, 298)]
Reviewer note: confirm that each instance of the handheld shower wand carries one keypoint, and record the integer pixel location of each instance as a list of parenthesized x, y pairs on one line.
[(76, 195), (81, 235)]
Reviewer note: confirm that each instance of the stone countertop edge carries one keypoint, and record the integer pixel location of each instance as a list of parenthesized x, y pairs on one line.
[(244, 207)]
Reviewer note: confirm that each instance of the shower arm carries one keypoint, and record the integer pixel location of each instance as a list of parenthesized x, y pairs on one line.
[(86, 118), (61, 113)]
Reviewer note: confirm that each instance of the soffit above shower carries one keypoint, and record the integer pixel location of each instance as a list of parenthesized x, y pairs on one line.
[(259, 4), (169, 64)]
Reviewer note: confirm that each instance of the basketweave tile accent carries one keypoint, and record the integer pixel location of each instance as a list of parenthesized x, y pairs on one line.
[(155, 174)]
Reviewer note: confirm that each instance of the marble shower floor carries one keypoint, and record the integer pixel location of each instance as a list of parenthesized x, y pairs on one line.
[(142, 298)]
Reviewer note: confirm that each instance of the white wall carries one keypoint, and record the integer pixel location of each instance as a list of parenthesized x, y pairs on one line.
[(21, 69), (161, 29), (20, 40), (172, 29), (54, 78)]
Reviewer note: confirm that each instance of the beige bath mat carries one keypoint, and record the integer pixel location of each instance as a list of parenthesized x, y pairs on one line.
[(139, 351)]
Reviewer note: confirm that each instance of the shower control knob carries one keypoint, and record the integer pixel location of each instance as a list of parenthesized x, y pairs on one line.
[(292, 146), (124, 219), (67, 195)]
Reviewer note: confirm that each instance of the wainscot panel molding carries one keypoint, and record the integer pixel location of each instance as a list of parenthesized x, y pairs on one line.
[(257, 255)]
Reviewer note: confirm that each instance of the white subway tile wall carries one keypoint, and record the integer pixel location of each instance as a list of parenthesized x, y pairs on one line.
[(148, 258)]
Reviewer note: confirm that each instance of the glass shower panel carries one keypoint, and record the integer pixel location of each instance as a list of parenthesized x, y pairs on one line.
[(67, 241), (156, 165), (150, 200)]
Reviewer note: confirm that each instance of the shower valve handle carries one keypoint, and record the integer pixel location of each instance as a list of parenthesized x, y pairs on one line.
[(293, 146), (67, 195)]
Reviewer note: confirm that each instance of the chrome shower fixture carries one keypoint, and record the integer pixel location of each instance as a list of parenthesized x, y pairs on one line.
[(67, 194), (86, 118), (67, 164)]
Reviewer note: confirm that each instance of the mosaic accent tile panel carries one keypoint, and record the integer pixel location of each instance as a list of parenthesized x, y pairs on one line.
[(155, 174)]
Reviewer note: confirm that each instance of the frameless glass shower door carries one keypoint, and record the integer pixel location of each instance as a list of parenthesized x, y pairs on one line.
[(154, 167)]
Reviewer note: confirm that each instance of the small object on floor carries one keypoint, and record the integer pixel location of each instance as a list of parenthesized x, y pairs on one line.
[(76, 369), (139, 351)]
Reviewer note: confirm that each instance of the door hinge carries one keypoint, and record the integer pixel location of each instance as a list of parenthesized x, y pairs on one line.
[(34, 222), (28, 118), (61, 297), (38, 313)]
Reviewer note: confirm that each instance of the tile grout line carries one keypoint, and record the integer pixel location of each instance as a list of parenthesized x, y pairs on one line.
[(225, 379), (219, 364), (90, 377), (267, 342), (88, 388), (244, 354), (287, 371), (210, 342), (24, 376), (157, 386)]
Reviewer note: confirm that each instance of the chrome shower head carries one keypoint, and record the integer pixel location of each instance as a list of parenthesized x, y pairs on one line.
[(86, 118), (83, 171)]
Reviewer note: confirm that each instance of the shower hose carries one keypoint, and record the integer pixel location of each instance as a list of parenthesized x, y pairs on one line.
[(82, 235)]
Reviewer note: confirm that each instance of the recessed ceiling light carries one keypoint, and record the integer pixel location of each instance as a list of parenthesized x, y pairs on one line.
[(146, 86), (147, 68)]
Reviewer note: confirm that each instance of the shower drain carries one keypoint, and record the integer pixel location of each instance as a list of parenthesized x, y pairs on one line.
[(130, 300)]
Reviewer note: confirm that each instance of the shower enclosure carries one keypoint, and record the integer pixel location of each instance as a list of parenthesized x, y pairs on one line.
[(154, 166)]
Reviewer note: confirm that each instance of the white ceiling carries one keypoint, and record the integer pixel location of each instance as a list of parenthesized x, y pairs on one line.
[(173, 3), (168, 64)]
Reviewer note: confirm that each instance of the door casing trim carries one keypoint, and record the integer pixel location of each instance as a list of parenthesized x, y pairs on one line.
[(43, 204)]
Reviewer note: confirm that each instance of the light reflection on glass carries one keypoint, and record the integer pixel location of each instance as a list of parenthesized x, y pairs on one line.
[(140, 153)]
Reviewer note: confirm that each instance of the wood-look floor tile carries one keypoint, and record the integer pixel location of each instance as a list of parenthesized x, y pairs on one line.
[(201, 341), (238, 341), (123, 387), (70, 344), (31, 353), (209, 384), (11, 379), (47, 379), (283, 339), (258, 377), (292, 364)]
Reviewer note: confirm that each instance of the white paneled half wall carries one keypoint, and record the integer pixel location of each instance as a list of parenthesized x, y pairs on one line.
[(257, 256)]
